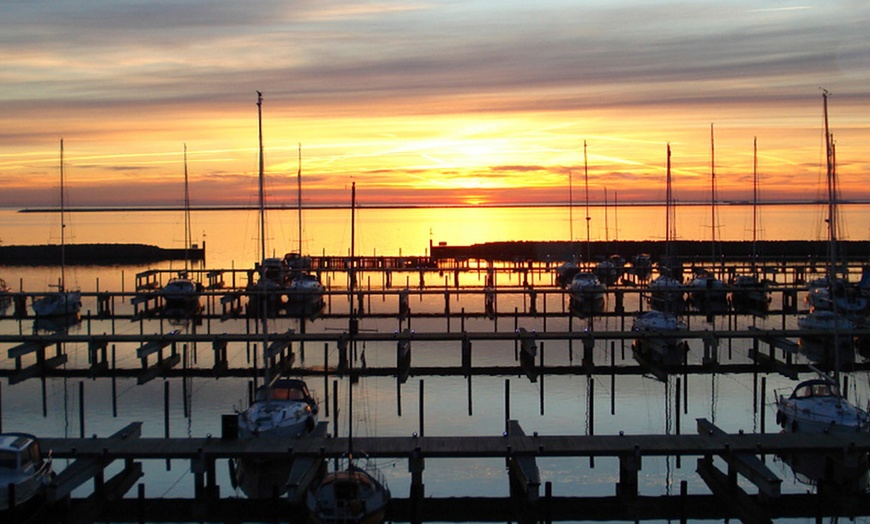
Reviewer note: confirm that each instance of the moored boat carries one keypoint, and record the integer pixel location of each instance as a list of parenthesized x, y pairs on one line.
[(23, 471), (587, 294)]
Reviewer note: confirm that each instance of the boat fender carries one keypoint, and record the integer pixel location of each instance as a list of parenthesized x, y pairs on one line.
[(794, 426), (309, 424), (779, 418)]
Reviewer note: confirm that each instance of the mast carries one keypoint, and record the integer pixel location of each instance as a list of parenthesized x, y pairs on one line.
[(754, 202), (832, 195), (352, 322), (606, 225), (261, 179), (62, 226), (588, 218), (299, 197), (669, 225), (186, 215), (713, 196), (571, 210)]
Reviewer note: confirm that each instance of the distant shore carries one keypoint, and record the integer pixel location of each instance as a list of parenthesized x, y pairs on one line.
[(94, 254), (138, 209)]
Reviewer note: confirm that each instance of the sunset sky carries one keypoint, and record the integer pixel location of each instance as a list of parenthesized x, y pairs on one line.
[(429, 102)]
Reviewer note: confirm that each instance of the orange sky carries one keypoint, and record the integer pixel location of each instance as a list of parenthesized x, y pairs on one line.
[(422, 103)]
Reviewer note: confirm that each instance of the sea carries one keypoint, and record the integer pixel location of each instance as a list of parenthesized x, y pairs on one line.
[(629, 404)]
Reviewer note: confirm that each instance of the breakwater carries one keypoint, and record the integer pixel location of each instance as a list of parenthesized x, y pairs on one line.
[(95, 254)]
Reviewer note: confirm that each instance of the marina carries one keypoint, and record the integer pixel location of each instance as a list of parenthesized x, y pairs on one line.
[(499, 338)]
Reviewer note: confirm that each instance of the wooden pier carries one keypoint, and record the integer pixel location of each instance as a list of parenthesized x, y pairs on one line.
[(742, 452)]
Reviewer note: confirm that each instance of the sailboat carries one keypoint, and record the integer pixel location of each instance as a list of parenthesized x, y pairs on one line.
[(661, 345), (666, 290), (585, 288), (354, 492), (304, 290), (834, 291), (818, 406), (281, 408), (265, 292), (60, 303), (181, 293), (706, 292), (748, 294), (833, 315)]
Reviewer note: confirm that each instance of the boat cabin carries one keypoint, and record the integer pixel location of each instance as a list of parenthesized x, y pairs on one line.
[(816, 388), (19, 452), (288, 389)]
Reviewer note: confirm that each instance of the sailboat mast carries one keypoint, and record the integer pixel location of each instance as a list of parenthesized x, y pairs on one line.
[(299, 198), (588, 218), (606, 225), (713, 196), (754, 201), (832, 196), (571, 210), (261, 178), (62, 226), (186, 214), (352, 319), (669, 234)]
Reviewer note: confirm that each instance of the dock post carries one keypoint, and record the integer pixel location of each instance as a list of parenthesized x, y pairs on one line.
[(612, 377), (416, 464), (335, 407), (421, 411), (81, 409), (466, 356), (619, 298), (629, 465), (507, 403), (326, 377)]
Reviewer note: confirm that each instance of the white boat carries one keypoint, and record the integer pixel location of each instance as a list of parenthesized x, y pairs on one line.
[(22, 468), (707, 293), (181, 293), (60, 303), (748, 295), (831, 343), (661, 344), (565, 274), (587, 294), (842, 295), (283, 409), (667, 294), (354, 492), (817, 406), (610, 271)]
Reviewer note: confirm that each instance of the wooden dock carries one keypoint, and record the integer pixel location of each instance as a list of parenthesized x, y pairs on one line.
[(741, 451)]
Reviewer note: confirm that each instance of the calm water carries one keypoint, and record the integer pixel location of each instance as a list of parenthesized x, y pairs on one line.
[(642, 405)]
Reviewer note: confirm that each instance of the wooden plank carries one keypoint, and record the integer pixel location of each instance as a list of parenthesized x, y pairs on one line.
[(38, 369), (305, 469), (746, 507), (746, 464), (158, 369), (154, 346), (84, 469), (523, 469), (26, 348)]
